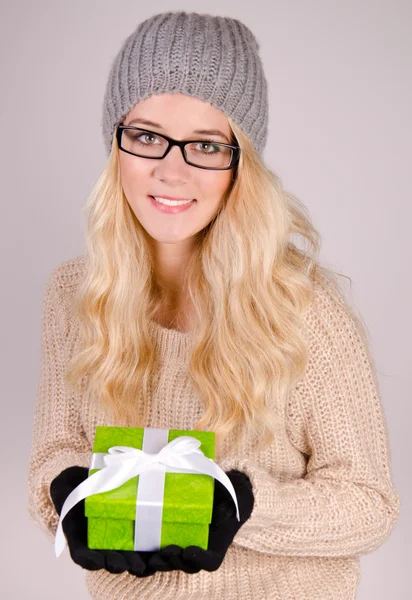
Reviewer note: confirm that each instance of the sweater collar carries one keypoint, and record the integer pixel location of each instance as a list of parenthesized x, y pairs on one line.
[(172, 345)]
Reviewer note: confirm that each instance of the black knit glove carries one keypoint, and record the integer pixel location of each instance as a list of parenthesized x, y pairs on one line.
[(75, 527), (223, 529), (192, 559)]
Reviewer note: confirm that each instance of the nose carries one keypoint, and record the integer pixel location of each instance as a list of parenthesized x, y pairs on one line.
[(172, 166)]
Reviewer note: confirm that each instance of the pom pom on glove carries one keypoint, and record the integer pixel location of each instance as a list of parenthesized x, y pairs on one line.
[(192, 559)]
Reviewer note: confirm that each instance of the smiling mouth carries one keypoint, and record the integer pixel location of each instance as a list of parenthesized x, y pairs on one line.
[(177, 198), (172, 201)]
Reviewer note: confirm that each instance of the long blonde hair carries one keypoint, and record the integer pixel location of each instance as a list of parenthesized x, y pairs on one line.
[(249, 284)]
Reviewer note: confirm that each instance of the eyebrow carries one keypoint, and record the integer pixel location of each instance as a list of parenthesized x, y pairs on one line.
[(215, 132)]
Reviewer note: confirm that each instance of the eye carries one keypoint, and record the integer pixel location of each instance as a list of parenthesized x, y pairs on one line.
[(145, 135), (141, 137), (213, 147)]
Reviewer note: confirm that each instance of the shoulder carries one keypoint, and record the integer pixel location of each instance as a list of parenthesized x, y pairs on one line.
[(332, 321), (68, 275), (60, 290)]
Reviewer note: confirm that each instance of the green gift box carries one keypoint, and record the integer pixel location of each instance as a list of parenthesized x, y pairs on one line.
[(187, 504)]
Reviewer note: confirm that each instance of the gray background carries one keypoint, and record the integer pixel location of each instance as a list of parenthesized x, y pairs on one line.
[(339, 77)]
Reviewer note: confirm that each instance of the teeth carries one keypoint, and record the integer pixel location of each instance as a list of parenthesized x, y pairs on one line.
[(171, 202)]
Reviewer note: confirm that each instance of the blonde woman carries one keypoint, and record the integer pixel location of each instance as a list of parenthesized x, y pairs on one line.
[(194, 308)]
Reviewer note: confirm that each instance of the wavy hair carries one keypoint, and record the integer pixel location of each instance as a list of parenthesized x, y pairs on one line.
[(249, 284)]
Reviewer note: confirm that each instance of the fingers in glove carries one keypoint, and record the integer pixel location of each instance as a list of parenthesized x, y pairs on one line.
[(178, 561), (86, 558), (146, 573), (114, 561), (136, 563), (196, 559), (167, 559)]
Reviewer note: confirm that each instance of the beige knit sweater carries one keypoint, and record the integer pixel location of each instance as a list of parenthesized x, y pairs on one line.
[(323, 490)]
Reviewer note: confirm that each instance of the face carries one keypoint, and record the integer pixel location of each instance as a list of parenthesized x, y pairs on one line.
[(176, 116)]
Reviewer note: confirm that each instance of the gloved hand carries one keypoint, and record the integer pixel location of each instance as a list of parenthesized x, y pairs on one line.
[(192, 559), (222, 530), (75, 527)]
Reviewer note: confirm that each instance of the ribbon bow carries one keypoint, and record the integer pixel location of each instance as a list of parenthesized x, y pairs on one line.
[(181, 455)]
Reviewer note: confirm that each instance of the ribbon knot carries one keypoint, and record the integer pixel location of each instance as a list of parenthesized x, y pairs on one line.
[(167, 456)]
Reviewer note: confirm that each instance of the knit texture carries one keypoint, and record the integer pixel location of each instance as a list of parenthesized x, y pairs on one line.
[(323, 489), (210, 57)]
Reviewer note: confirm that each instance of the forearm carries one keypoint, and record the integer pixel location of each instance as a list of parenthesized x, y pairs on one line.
[(58, 438), (40, 505), (345, 504), (316, 517)]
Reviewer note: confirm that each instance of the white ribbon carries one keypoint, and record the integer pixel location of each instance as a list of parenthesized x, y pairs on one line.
[(181, 455)]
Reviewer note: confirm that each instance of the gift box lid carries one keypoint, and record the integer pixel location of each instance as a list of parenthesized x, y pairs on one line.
[(188, 498)]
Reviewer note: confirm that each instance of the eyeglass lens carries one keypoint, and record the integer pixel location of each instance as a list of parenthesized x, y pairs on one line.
[(201, 153)]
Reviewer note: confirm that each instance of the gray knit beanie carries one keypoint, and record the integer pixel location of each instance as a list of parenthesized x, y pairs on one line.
[(210, 57)]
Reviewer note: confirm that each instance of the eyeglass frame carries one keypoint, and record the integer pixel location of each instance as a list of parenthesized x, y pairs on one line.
[(172, 142)]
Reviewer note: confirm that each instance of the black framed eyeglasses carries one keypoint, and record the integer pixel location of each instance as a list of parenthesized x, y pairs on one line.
[(214, 156)]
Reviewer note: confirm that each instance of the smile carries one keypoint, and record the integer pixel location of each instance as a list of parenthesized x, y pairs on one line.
[(171, 208)]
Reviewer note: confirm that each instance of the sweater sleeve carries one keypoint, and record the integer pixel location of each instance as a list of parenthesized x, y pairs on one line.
[(345, 504), (58, 440)]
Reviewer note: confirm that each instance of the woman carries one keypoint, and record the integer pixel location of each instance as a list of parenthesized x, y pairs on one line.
[(206, 315)]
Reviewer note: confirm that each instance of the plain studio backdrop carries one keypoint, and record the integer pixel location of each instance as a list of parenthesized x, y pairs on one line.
[(339, 76)]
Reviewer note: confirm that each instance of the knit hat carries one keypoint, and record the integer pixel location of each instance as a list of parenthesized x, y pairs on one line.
[(210, 57)]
